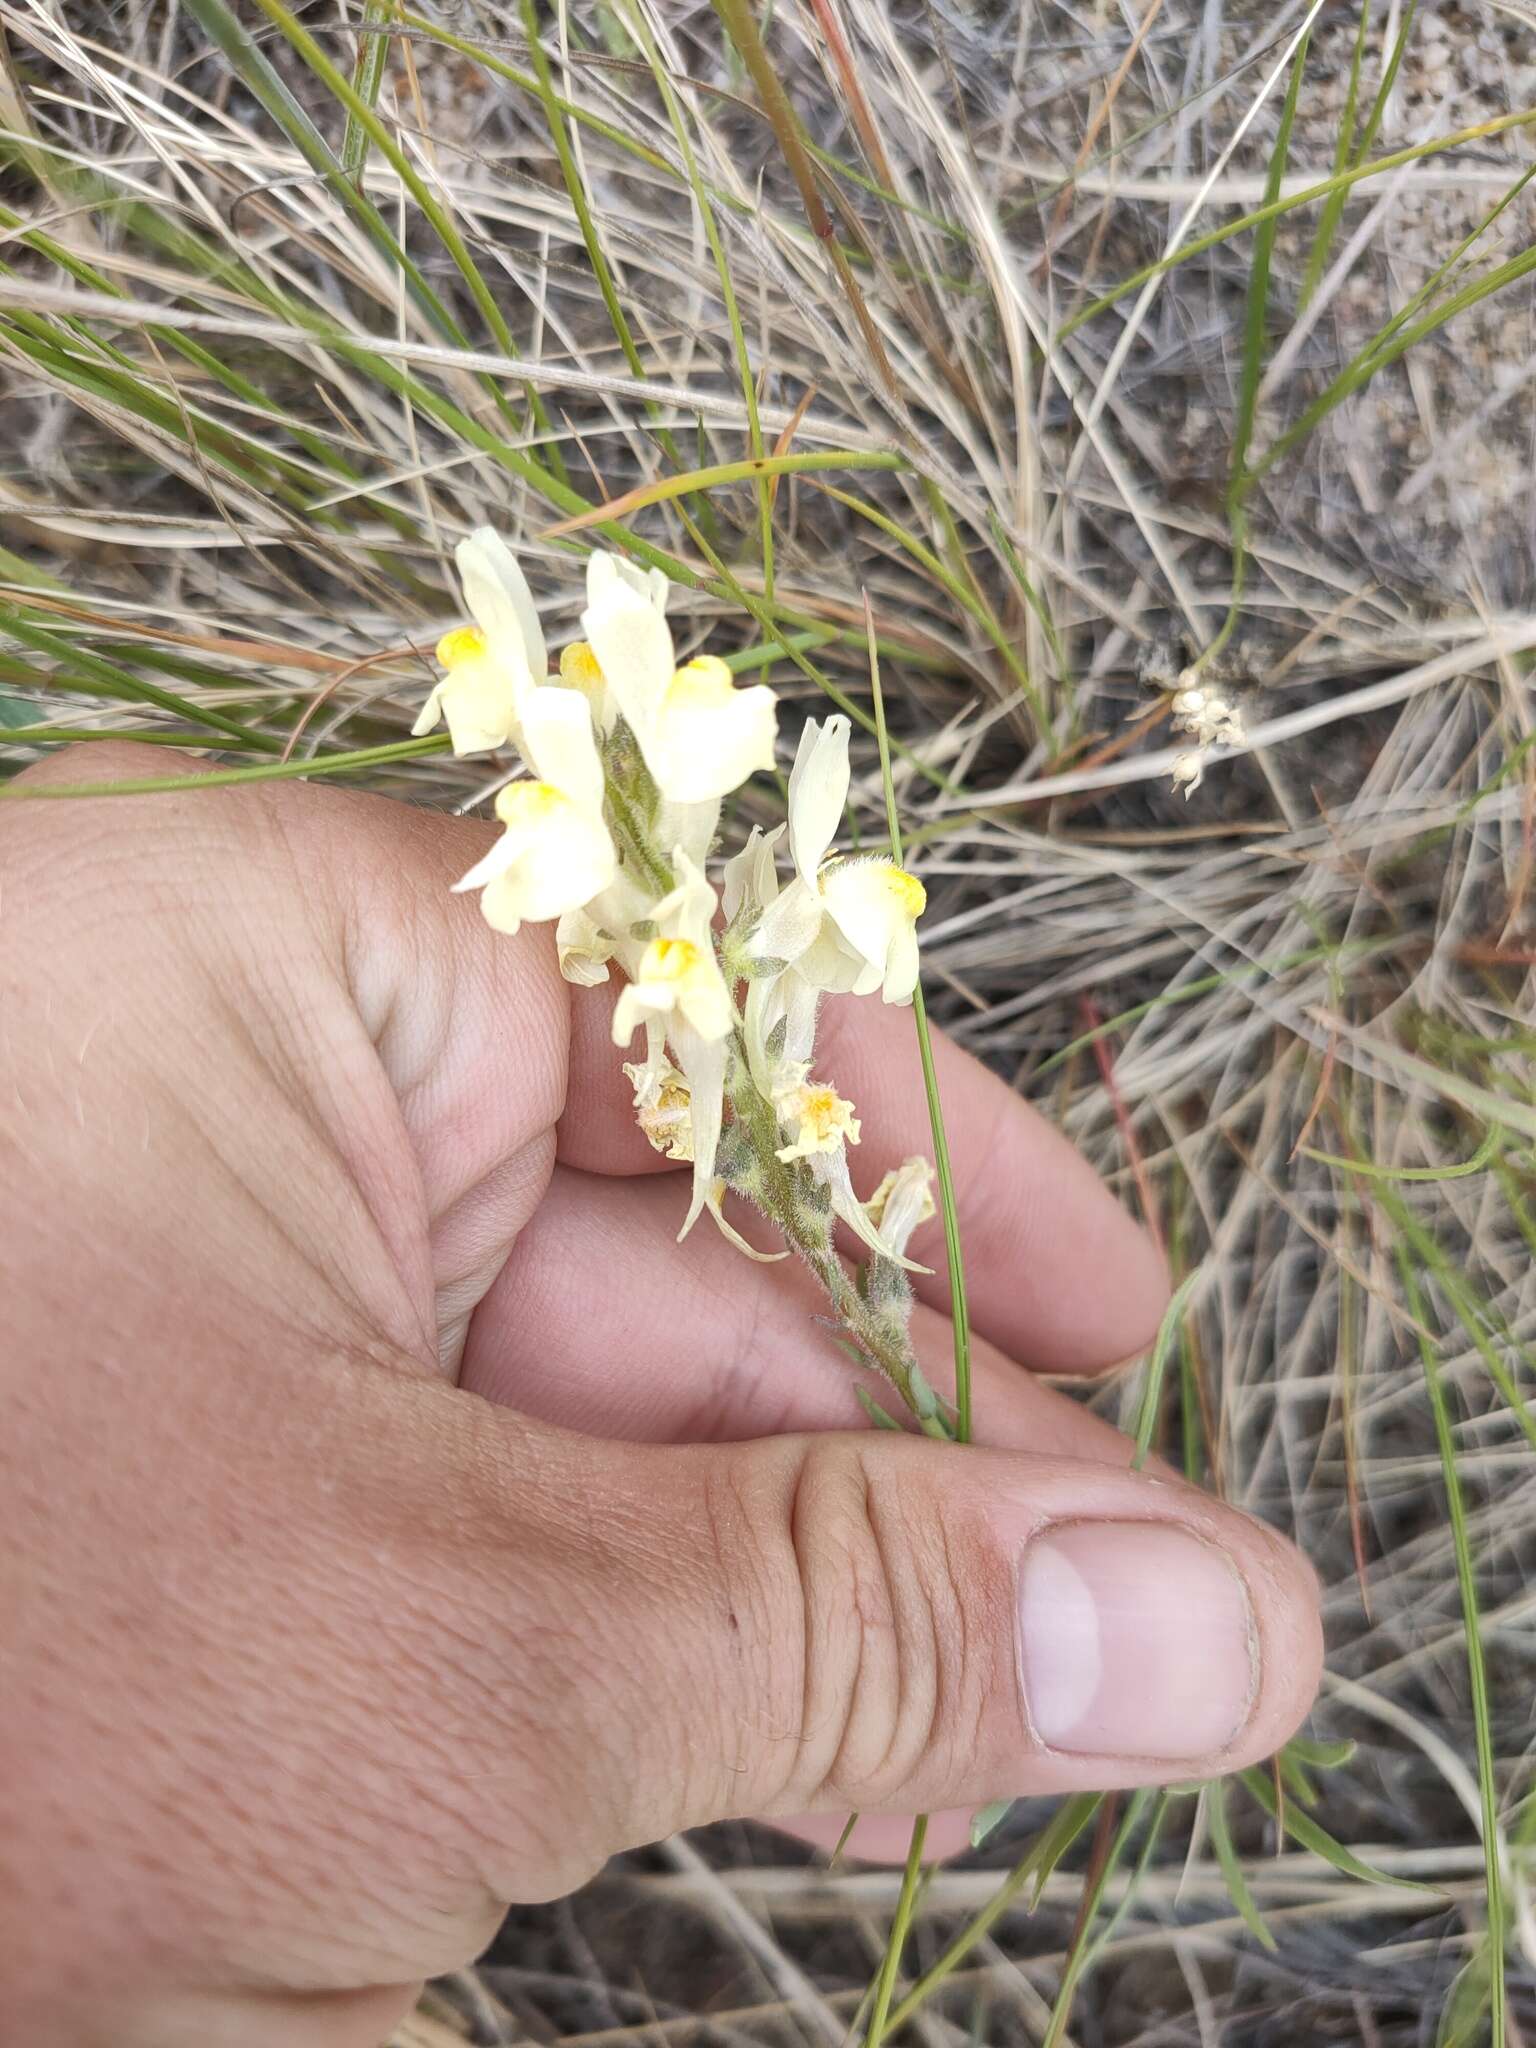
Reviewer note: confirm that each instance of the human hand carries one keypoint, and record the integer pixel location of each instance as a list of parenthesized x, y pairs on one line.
[(398, 1522)]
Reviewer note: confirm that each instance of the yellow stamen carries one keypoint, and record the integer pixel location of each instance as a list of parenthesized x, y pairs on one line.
[(908, 891), (463, 644), (528, 803)]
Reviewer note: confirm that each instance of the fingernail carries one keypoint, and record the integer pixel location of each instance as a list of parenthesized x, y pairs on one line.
[(1135, 1639)]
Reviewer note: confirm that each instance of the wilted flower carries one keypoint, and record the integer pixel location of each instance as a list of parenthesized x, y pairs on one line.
[(821, 1119), (663, 1107), (903, 1200), (1210, 721), (1188, 771), (1207, 716)]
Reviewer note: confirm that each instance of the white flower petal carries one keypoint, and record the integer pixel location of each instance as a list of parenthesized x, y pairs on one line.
[(830, 964), (506, 851), (751, 879), (430, 713), (499, 600), (605, 570), (689, 826), (790, 925), (831, 1169), (875, 907), (582, 949), (801, 999), (553, 857), (903, 1201), (818, 791), (634, 649), (732, 1236), (478, 699), (708, 736), (560, 745), (703, 1067), (901, 966)]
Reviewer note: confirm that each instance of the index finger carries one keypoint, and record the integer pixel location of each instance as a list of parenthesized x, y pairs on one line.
[(1058, 1274)]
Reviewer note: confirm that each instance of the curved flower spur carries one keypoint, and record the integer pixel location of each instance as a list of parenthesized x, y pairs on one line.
[(610, 835)]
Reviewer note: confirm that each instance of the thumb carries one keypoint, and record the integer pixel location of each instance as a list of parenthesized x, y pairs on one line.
[(842, 1622)]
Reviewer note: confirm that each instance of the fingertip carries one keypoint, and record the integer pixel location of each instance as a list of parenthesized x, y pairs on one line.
[(1287, 1604), (1089, 1283)]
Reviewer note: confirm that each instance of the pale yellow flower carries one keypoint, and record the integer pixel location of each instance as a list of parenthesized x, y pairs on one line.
[(844, 925), (555, 854), (489, 667), (700, 735), (678, 976)]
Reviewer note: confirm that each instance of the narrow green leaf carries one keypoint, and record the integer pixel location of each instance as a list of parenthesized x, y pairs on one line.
[(226, 778), (986, 1820), (1304, 1830), (367, 79), (1231, 1868), (1157, 1366), (1477, 1670)]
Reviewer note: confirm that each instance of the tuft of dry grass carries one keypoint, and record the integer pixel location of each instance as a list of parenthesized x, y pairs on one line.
[(280, 318)]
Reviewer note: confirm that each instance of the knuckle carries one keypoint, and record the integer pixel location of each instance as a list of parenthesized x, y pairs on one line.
[(895, 1679)]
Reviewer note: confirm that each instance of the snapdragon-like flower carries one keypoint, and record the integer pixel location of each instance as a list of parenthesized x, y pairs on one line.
[(676, 988), (491, 666), (677, 976), (700, 736), (845, 925), (629, 758), (556, 852)]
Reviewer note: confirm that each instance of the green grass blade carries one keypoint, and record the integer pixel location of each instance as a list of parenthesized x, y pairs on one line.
[(1302, 1829), (1477, 1670), (885, 1983), (1344, 181), (1369, 1169), (1157, 1365), (229, 778), (1255, 335), (1033, 1868), (959, 1306), (367, 80), (1231, 1868), (1344, 154)]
